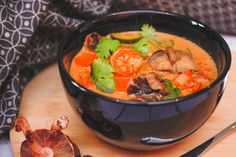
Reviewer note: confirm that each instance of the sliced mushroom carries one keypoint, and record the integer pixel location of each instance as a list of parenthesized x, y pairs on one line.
[(138, 85), (92, 40), (45, 142), (147, 87), (172, 61), (160, 61), (154, 81), (184, 62), (148, 97)]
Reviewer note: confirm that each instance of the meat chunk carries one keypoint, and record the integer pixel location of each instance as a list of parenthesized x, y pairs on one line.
[(184, 62), (92, 40), (172, 54), (154, 81), (160, 61)]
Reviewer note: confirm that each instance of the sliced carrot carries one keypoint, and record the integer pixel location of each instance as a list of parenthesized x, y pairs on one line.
[(81, 75), (183, 78), (121, 83), (191, 87), (187, 83), (84, 77), (186, 92), (85, 58), (197, 86)]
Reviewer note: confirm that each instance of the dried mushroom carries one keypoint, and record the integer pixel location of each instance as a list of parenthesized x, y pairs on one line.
[(45, 142)]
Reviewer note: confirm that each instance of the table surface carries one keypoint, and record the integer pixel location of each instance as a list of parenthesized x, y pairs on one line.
[(222, 117), (44, 101)]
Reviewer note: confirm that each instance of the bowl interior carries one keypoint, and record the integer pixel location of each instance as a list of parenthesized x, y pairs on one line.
[(182, 26)]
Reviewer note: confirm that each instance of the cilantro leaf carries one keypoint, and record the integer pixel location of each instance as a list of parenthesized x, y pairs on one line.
[(106, 46), (174, 92), (105, 84), (102, 66), (149, 32), (102, 75), (142, 46)]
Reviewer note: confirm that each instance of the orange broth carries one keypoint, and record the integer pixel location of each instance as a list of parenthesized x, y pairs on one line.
[(204, 62)]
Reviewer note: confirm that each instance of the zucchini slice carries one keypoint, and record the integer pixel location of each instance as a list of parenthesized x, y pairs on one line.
[(126, 37)]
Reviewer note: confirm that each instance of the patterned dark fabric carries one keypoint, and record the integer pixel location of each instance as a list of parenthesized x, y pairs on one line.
[(176, 6), (29, 34), (30, 31), (219, 14)]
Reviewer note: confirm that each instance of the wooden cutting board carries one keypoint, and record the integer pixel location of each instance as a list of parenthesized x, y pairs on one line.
[(44, 101)]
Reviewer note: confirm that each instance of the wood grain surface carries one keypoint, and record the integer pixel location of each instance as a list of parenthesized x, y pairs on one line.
[(44, 101)]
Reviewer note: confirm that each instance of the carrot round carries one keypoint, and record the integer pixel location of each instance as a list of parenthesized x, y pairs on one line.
[(85, 58), (121, 83)]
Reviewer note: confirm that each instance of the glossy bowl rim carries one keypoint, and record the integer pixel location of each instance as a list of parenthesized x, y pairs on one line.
[(219, 38)]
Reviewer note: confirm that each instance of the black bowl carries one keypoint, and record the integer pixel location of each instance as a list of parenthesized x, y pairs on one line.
[(145, 125)]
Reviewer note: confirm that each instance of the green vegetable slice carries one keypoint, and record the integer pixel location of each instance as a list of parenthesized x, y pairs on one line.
[(101, 75), (106, 46), (174, 92), (127, 37)]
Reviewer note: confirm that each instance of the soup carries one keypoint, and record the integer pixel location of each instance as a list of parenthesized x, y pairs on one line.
[(143, 65)]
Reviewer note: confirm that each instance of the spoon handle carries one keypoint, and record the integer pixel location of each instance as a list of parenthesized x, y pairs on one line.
[(206, 145)]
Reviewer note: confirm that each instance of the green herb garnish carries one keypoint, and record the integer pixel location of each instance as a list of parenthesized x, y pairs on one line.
[(102, 75), (142, 46), (106, 46), (174, 92), (149, 32)]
